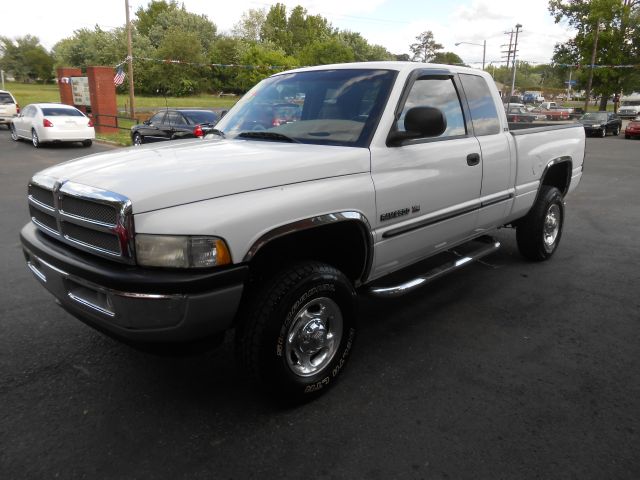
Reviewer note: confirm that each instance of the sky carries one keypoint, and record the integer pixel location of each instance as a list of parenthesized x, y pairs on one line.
[(393, 24)]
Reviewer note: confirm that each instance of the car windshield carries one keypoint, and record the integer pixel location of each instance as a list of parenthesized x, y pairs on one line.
[(5, 99), (330, 107), (201, 116), (600, 117), (61, 112)]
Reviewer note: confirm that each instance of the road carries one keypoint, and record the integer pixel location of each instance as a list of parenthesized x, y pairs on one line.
[(506, 369)]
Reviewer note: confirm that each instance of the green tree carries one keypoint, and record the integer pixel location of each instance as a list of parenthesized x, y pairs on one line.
[(26, 58), (362, 50), (275, 28), (146, 18), (249, 27), (447, 58), (182, 21), (326, 52), (263, 60), (425, 47), (615, 24)]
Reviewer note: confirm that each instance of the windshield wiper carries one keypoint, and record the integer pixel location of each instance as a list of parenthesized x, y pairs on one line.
[(215, 131), (268, 136)]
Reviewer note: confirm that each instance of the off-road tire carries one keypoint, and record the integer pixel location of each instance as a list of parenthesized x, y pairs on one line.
[(266, 333), (538, 234)]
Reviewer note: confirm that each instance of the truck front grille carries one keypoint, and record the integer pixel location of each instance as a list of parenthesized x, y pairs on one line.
[(86, 218)]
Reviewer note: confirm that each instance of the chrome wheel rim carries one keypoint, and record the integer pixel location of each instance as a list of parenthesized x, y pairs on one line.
[(14, 134), (137, 140), (313, 337), (34, 139), (551, 226)]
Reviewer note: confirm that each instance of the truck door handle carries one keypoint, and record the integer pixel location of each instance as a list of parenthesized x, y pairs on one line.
[(473, 159)]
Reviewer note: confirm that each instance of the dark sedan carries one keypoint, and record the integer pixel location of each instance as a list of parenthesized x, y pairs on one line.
[(601, 123), (520, 114), (174, 125)]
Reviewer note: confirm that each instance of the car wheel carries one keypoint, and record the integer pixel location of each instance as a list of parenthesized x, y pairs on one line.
[(538, 234), (603, 132), (137, 139), (616, 131), (295, 336), (87, 143), (14, 134), (34, 139)]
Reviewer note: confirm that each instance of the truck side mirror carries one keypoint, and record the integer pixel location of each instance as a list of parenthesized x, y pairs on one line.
[(419, 122)]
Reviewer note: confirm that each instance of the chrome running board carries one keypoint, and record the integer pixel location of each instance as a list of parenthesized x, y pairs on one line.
[(487, 246)]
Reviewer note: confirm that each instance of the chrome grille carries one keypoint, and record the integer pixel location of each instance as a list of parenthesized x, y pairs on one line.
[(41, 195), (101, 240), (43, 218), (91, 210), (86, 218)]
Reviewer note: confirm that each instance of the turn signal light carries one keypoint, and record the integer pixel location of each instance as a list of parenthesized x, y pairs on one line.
[(46, 123), (90, 124), (197, 131)]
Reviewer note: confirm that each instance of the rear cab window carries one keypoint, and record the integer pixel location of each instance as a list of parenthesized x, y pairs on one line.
[(484, 116)]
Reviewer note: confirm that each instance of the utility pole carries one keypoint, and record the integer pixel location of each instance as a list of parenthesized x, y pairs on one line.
[(593, 61), (515, 50), (508, 52), (132, 110)]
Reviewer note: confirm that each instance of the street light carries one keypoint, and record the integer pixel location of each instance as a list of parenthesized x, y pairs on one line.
[(484, 49)]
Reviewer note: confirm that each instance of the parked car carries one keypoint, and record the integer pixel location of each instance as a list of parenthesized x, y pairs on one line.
[(551, 114), (174, 125), (601, 123), (52, 122), (8, 108), (633, 128), (519, 114)]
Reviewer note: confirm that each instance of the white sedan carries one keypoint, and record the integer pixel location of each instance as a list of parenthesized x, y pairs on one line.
[(52, 122)]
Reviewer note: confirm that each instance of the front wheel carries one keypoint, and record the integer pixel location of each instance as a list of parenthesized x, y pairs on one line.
[(538, 234), (137, 139), (296, 335), (603, 132), (14, 134)]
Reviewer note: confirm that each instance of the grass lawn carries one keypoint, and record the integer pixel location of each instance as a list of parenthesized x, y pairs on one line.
[(27, 93)]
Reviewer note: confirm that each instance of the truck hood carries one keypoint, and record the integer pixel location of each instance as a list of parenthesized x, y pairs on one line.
[(174, 173)]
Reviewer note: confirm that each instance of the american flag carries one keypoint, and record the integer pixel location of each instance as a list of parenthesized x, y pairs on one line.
[(119, 77)]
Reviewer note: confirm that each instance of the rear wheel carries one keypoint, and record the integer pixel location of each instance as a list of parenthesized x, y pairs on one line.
[(87, 143), (297, 332), (34, 139), (538, 234), (616, 131)]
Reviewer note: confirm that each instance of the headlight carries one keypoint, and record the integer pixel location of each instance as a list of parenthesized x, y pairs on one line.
[(181, 251)]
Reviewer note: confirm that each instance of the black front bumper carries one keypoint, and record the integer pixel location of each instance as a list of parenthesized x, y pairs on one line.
[(137, 304)]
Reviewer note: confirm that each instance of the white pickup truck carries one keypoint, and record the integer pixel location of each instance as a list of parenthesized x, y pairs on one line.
[(319, 184)]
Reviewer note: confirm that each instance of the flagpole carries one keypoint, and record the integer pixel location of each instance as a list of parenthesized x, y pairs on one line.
[(132, 109)]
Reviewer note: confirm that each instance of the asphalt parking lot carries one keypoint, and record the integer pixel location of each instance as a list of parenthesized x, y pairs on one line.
[(504, 370)]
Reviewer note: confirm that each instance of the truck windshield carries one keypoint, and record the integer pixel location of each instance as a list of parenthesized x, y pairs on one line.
[(330, 107)]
